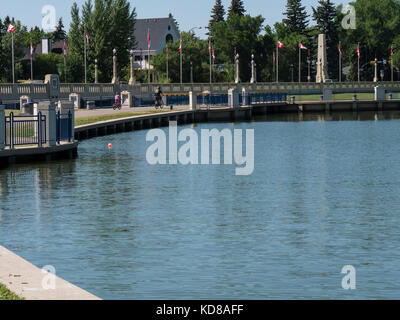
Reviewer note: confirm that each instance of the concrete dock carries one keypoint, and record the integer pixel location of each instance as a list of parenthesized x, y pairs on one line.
[(29, 282)]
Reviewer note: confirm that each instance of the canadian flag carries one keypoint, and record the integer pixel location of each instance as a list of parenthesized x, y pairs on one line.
[(391, 50), (180, 46), (340, 51), (65, 50), (87, 38), (148, 40), (31, 49), (209, 46), (358, 52), (213, 54), (302, 47), (11, 28), (280, 44)]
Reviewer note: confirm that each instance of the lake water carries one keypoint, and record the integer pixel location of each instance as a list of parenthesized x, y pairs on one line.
[(324, 194)]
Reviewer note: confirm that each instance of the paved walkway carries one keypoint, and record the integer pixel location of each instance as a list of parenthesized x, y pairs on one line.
[(107, 111), (30, 282)]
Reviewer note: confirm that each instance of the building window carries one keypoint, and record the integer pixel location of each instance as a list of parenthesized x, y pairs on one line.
[(169, 38)]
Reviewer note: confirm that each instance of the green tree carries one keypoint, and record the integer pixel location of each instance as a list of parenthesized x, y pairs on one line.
[(237, 7), (325, 16), (217, 14), (296, 16), (59, 34), (110, 24)]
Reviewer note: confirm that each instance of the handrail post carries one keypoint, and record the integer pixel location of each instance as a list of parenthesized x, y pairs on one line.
[(39, 130), (2, 128), (11, 130)]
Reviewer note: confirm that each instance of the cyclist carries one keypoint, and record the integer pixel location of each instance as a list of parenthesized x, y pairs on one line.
[(117, 101), (159, 97)]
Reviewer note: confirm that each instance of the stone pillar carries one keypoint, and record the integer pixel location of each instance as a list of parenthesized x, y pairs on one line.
[(115, 76), (380, 93), (322, 62), (66, 107), (245, 94), (126, 95), (2, 128), (48, 109), (75, 98), (237, 71), (23, 100), (193, 100), (233, 98)]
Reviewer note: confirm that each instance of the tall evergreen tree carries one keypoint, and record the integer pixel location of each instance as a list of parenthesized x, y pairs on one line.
[(325, 16), (237, 7), (59, 34), (217, 14), (296, 16)]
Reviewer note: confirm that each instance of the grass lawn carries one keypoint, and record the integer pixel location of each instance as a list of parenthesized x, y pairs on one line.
[(16, 112), (340, 96), (6, 294), (94, 119)]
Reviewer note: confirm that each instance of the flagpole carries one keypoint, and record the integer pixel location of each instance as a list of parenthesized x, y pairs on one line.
[(167, 64), (277, 63), (309, 66), (149, 58), (85, 41), (209, 49), (358, 61), (340, 61), (13, 67), (299, 64), (181, 58), (65, 64), (392, 73), (31, 60)]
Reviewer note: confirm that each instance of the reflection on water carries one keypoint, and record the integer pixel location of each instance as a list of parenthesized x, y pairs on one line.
[(324, 194)]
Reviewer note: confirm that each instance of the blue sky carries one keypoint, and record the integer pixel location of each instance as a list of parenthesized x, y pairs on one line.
[(188, 13)]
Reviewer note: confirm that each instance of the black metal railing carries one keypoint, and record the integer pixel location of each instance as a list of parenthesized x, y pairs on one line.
[(64, 127), (25, 130)]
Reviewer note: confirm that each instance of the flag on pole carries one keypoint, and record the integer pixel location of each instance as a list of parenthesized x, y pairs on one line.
[(209, 46), (213, 55), (65, 50), (358, 51), (302, 47), (280, 44), (148, 40), (31, 49), (180, 46), (11, 28), (87, 39), (340, 51), (391, 50)]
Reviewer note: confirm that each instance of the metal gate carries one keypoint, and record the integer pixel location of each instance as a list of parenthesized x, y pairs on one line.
[(64, 127)]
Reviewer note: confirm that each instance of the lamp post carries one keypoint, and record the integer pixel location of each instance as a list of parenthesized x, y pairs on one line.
[(191, 72), (96, 72), (376, 70), (132, 80), (237, 73), (115, 79), (252, 70)]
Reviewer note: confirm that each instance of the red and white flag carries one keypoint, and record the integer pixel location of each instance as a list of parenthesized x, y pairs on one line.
[(87, 38), (11, 28), (358, 52), (302, 47), (391, 50), (340, 51), (31, 49), (180, 46), (213, 55), (235, 55), (65, 50), (148, 40), (280, 44), (209, 46)]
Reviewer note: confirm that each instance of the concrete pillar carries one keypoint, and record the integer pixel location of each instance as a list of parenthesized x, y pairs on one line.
[(132, 80), (237, 71), (233, 98), (66, 107), (48, 109), (380, 93), (253, 75), (127, 96), (115, 75), (2, 128), (23, 100), (322, 63), (193, 100), (75, 98), (245, 95)]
